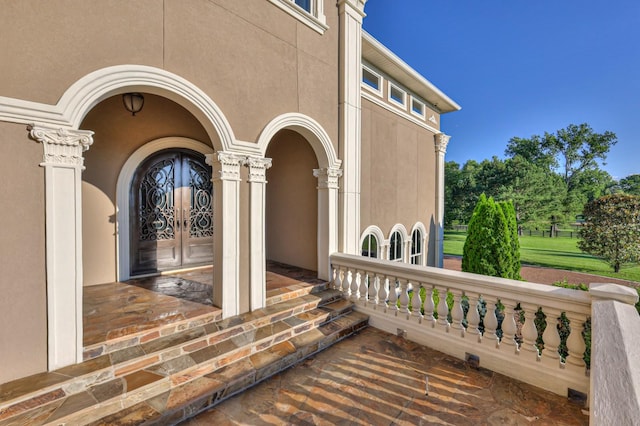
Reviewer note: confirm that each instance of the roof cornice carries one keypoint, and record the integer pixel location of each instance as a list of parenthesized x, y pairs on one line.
[(385, 60)]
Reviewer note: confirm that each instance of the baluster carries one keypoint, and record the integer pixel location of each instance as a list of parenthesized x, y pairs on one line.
[(337, 282), (457, 314), (355, 286), (489, 336), (429, 306), (382, 291), (364, 279), (575, 341), (509, 328), (529, 332), (443, 309), (551, 338), (404, 296), (393, 295), (374, 283), (346, 283), (473, 316), (416, 302)]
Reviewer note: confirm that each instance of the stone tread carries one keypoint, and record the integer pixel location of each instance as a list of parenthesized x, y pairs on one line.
[(94, 380), (188, 399)]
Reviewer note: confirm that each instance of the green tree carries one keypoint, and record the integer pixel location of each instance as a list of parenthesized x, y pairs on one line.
[(512, 224), (612, 229), (630, 184), (570, 153), (487, 249)]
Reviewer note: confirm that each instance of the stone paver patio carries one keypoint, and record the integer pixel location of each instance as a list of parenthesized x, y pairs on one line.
[(376, 378)]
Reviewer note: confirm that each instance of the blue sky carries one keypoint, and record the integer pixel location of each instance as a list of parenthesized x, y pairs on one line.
[(523, 67)]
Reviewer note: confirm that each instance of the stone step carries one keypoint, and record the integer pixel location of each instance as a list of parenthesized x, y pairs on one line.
[(218, 343), (130, 338), (184, 400)]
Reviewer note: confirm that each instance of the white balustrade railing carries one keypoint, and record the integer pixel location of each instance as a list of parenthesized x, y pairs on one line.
[(497, 320)]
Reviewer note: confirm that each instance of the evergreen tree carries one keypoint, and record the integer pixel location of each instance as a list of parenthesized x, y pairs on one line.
[(487, 249), (510, 216)]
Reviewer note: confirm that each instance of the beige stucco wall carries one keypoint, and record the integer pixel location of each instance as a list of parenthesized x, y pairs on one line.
[(292, 202), (398, 171), (117, 135), (23, 307), (255, 62)]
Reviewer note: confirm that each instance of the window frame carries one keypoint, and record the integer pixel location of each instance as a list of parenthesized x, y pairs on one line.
[(415, 257), (367, 240), (399, 245), (423, 108), (314, 19), (390, 89), (377, 90)]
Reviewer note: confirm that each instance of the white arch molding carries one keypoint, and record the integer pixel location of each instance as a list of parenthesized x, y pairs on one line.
[(423, 230), (377, 232), (406, 241), (328, 175), (57, 126), (122, 192)]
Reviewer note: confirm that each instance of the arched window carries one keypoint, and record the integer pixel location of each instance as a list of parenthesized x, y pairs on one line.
[(416, 247), (370, 246), (395, 247)]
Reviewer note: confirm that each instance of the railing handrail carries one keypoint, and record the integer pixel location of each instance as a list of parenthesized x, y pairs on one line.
[(501, 288)]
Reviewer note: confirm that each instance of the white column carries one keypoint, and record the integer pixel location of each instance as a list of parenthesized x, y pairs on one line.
[(351, 13), (441, 141), (327, 218), (63, 164), (257, 258), (226, 231)]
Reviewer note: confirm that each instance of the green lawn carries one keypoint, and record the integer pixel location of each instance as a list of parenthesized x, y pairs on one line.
[(559, 253)]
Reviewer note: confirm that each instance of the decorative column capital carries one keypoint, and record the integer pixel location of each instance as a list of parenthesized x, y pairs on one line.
[(356, 5), (327, 177), (229, 165), (62, 147), (257, 168), (442, 141)]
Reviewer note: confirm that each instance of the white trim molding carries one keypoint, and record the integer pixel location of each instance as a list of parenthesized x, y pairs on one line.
[(377, 232), (257, 251), (309, 128), (98, 85), (350, 15), (315, 19), (423, 229), (327, 236), (124, 184), (63, 164), (441, 141), (406, 241), (226, 238)]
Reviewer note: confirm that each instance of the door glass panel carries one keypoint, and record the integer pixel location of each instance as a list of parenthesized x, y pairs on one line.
[(201, 208), (156, 202)]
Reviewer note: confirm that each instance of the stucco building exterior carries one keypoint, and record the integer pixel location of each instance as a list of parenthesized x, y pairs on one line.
[(270, 129)]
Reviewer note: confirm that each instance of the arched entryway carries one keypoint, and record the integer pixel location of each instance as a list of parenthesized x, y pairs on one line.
[(170, 213), (292, 202)]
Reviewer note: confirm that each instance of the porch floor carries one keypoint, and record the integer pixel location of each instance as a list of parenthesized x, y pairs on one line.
[(116, 312), (375, 378)]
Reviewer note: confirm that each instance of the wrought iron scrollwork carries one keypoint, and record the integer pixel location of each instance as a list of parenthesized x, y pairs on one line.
[(156, 211), (201, 208)]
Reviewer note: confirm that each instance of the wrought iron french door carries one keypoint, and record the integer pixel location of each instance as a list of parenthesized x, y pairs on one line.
[(171, 213)]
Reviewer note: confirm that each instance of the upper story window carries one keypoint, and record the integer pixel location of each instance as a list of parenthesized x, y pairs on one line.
[(416, 247), (395, 247), (397, 95), (305, 4), (370, 246), (372, 79), (309, 12), (417, 107)]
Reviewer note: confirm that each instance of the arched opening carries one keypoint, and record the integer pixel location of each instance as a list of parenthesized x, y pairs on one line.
[(291, 212), (121, 146), (170, 213)]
